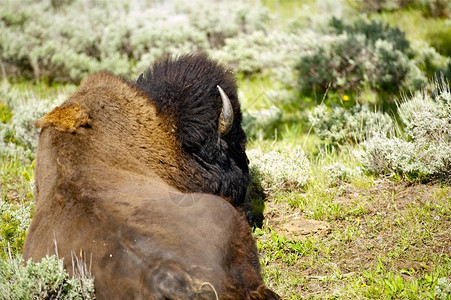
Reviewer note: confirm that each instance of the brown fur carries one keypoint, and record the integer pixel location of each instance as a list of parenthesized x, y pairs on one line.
[(110, 174)]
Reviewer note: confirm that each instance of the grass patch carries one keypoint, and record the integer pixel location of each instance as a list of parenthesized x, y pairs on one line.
[(285, 10), (254, 91), (405, 18), (16, 206), (387, 240)]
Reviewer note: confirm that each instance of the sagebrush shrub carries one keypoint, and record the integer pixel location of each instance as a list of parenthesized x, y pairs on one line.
[(279, 169), (338, 172), (424, 150), (337, 62), (443, 288), (373, 32), (18, 135), (338, 125), (359, 55), (14, 223), (256, 52), (430, 61), (433, 8), (445, 71), (64, 42), (44, 280)]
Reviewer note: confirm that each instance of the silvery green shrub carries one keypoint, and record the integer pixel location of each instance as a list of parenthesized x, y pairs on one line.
[(338, 172), (373, 31), (445, 71), (443, 288), (256, 52), (356, 56), (429, 60), (65, 41), (435, 8), (425, 148), (14, 222), (338, 125), (18, 136), (279, 169), (44, 280)]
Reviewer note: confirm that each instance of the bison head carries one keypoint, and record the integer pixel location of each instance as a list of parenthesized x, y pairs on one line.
[(198, 100)]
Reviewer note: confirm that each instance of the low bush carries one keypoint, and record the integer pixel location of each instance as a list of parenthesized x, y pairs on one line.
[(357, 55), (14, 223), (373, 31), (64, 42), (443, 288), (339, 126), (18, 135), (277, 170), (262, 123), (44, 280), (430, 61), (430, 8), (249, 53), (338, 173), (445, 71), (424, 151)]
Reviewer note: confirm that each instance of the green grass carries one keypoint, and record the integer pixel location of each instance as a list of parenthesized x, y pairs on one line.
[(387, 240), (16, 206), (286, 10), (254, 91), (407, 21)]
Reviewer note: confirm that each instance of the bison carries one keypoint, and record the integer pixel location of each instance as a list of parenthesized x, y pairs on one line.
[(142, 179)]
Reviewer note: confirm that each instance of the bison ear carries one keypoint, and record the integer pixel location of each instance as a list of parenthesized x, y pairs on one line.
[(225, 121)]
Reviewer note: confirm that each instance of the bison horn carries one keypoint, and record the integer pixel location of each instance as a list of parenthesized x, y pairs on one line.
[(226, 117)]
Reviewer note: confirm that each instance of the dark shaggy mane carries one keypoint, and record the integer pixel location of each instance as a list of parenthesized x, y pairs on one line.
[(183, 88)]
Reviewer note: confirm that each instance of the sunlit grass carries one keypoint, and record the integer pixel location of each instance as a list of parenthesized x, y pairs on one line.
[(253, 91), (285, 10), (386, 241), (407, 20), (16, 180)]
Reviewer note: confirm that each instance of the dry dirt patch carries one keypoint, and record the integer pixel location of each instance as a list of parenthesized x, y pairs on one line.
[(289, 222)]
